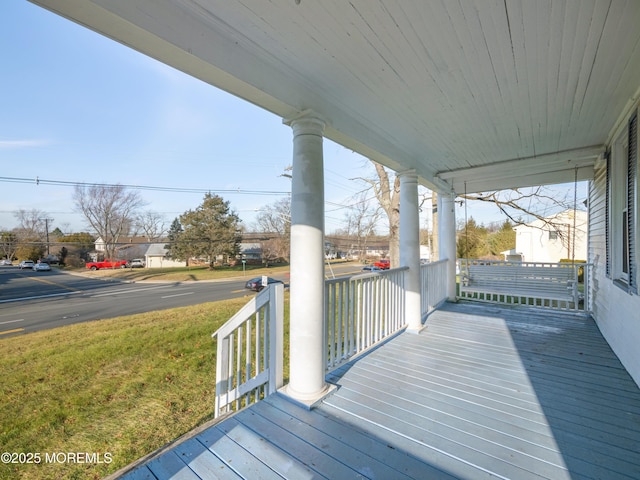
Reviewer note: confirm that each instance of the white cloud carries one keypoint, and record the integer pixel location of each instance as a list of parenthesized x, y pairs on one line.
[(7, 144)]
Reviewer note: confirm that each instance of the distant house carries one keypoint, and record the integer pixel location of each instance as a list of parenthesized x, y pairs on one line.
[(557, 237), (127, 247), (156, 257), (251, 252)]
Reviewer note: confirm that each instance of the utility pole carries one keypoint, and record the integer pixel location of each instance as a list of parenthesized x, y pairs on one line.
[(46, 228)]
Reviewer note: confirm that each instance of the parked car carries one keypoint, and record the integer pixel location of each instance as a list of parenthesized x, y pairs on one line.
[(372, 268), (383, 264), (5, 261), (255, 284), (26, 264), (41, 267), (136, 263), (107, 263)]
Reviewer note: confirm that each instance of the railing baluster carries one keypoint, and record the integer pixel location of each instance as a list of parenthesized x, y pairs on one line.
[(249, 356), (362, 310)]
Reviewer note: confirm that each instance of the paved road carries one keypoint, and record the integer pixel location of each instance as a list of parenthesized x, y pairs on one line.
[(31, 301)]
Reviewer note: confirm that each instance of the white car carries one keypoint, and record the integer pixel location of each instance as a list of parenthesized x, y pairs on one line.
[(41, 267), (25, 264), (5, 261), (136, 263)]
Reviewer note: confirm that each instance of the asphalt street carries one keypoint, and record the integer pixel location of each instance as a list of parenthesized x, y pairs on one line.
[(31, 301)]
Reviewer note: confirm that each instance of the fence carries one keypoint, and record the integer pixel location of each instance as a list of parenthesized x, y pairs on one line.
[(249, 362)]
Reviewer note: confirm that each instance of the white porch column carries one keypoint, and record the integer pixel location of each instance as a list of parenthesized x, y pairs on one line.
[(447, 239), (307, 261), (410, 247)]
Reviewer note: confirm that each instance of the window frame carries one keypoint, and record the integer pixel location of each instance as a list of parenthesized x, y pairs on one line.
[(622, 207)]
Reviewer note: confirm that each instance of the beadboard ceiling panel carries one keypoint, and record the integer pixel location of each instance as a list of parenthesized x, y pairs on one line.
[(439, 86)]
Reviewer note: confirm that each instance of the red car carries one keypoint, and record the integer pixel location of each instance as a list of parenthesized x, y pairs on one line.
[(383, 264), (107, 264)]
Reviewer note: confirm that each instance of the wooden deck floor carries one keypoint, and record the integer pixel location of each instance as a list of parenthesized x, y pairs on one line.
[(483, 392)]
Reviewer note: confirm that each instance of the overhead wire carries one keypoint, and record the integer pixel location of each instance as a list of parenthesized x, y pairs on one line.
[(67, 183)]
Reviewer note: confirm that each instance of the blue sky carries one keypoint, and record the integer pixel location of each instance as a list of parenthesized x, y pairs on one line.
[(78, 107)]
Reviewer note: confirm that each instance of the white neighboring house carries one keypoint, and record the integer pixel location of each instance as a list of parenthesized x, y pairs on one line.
[(565, 238), (251, 251), (156, 257)]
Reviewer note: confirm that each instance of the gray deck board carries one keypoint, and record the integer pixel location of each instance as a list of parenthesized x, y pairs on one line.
[(203, 462), (483, 392)]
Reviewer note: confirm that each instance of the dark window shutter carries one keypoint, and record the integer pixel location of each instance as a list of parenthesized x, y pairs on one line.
[(631, 199), (607, 215)]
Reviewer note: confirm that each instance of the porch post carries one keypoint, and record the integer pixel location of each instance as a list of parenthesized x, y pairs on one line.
[(410, 247), (447, 239), (307, 261)]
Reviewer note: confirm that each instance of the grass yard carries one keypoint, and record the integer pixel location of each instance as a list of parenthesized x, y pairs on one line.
[(113, 389)]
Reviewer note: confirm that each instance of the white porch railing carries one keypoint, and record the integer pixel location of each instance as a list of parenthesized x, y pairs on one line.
[(433, 281), (558, 286), (249, 357), (360, 311)]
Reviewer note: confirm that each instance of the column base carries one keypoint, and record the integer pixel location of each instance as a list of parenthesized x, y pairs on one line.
[(416, 331), (307, 402)]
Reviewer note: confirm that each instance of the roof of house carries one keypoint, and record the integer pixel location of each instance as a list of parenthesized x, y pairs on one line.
[(156, 250)]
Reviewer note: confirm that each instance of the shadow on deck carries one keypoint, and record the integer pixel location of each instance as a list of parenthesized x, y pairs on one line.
[(482, 392)]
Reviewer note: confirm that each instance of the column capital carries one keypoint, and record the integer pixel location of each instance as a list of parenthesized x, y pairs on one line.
[(408, 177), (410, 173), (306, 122)]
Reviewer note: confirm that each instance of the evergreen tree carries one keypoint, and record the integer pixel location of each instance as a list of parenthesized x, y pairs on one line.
[(175, 230), (503, 239), (77, 247), (472, 241), (209, 231)]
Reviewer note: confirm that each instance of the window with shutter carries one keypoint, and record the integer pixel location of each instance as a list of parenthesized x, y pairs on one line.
[(621, 207), (607, 215), (629, 248)]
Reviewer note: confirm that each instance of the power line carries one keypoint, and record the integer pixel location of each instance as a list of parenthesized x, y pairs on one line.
[(66, 183)]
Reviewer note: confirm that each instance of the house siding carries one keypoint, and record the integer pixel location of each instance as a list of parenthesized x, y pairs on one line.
[(533, 240), (614, 310)]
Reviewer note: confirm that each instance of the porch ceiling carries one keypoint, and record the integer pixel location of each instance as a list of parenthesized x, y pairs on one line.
[(475, 94)]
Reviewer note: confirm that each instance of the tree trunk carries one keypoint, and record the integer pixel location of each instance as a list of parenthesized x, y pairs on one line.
[(389, 198)]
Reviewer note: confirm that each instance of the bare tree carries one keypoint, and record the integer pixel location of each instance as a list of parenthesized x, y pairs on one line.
[(109, 209), (516, 204), (275, 220), (388, 195), (361, 221), (151, 224), (540, 203), (8, 244), (32, 224)]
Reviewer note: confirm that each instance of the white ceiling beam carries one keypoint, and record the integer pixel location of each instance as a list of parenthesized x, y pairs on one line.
[(506, 182), (568, 159)]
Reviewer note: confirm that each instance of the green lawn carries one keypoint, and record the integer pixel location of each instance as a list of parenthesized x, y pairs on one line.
[(118, 388)]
